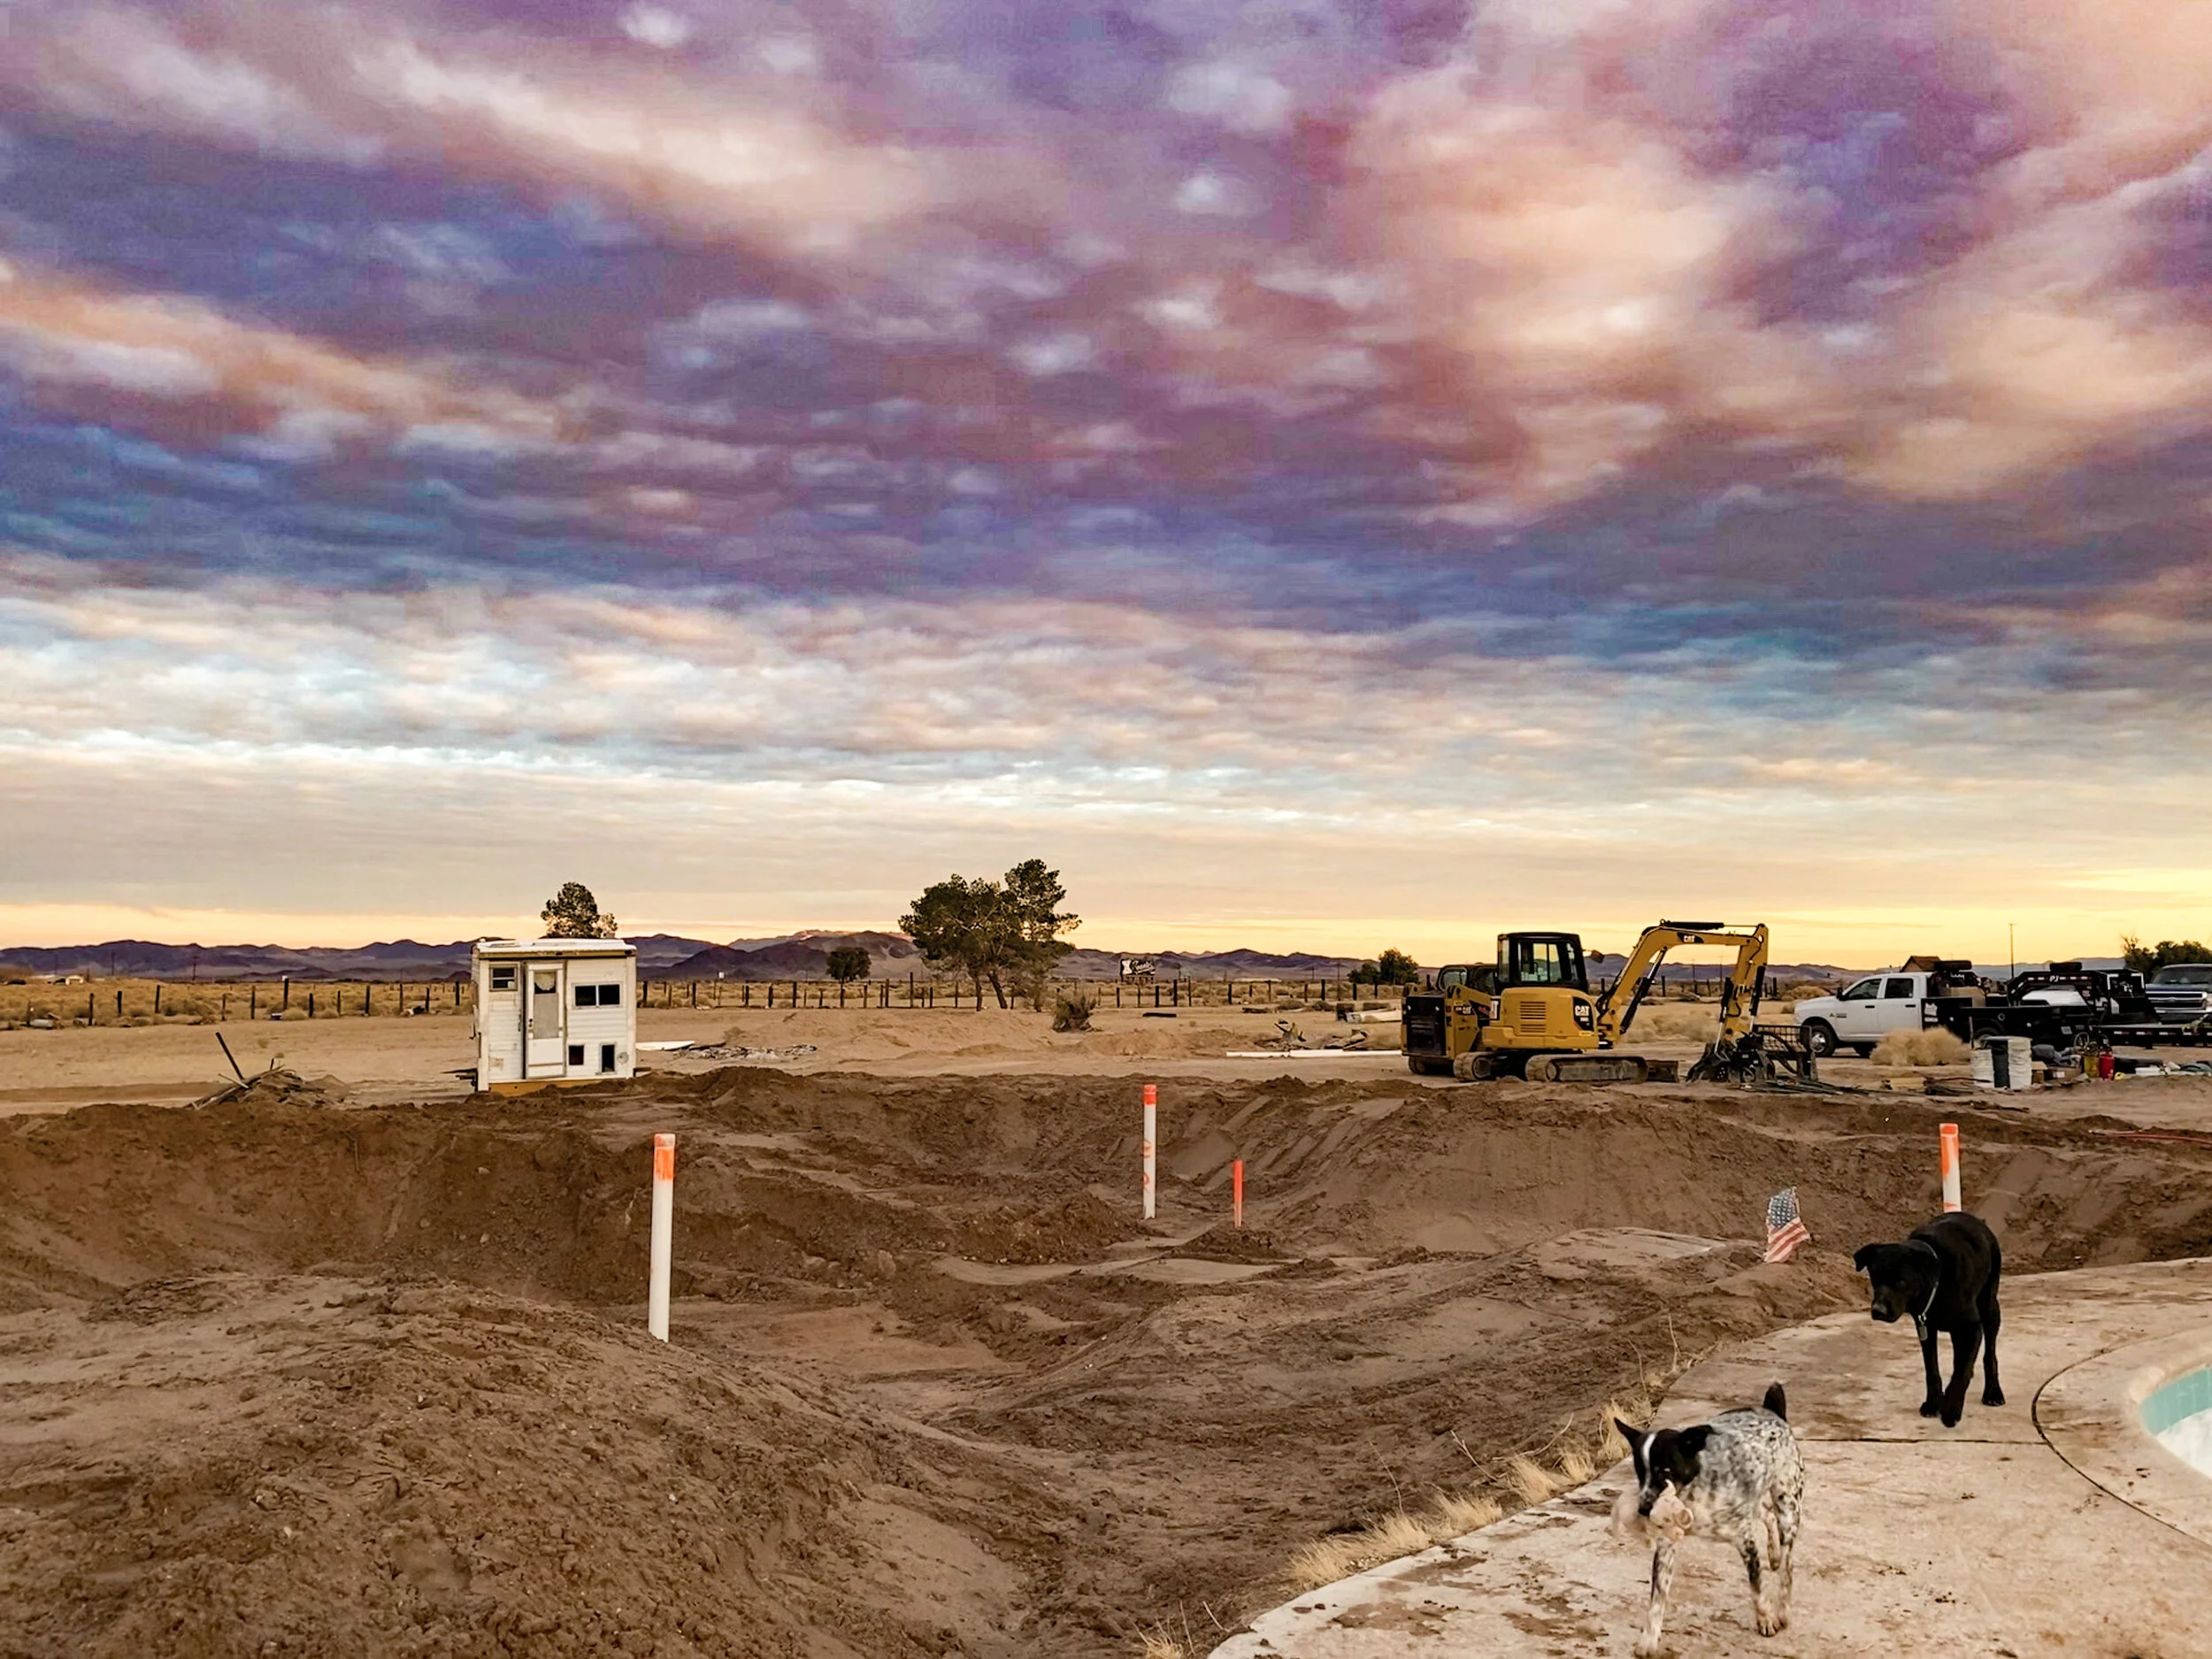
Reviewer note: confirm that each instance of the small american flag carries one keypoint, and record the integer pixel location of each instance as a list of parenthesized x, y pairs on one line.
[(1786, 1228)]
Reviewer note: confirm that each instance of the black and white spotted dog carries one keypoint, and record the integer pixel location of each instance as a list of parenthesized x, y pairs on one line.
[(1738, 1480)]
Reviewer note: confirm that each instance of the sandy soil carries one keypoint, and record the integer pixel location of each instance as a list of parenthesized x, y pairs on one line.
[(365, 1378)]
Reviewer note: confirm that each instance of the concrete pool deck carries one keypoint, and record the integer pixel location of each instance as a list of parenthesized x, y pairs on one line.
[(2052, 1525)]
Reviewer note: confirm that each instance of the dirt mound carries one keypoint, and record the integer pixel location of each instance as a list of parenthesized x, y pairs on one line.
[(937, 1385), (424, 1468)]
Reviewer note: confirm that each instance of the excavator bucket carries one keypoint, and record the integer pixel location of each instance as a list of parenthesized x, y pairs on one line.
[(1764, 1053)]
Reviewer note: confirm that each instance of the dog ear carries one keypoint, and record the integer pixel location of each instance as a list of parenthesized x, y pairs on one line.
[(1630, 1432), (1864, 1259), (1777, 1402), (1678, 1459)]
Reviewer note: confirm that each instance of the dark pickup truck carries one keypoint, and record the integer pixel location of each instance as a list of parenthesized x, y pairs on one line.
[(2182, 994), (2064, 1005)]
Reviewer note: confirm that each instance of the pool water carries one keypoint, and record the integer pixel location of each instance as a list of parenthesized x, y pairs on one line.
[(2179, 1415)]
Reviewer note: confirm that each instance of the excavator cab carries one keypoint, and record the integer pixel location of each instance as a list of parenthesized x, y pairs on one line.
[(1534, 999), (1526, 959), (1543, 1004)]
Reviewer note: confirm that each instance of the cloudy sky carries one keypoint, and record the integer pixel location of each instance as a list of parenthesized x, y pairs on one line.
[(1322, 474)]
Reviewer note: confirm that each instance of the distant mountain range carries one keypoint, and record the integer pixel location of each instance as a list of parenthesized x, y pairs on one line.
[(802, 955)]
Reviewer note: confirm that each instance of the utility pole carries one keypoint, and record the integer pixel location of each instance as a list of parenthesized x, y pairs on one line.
[(2013, 951)]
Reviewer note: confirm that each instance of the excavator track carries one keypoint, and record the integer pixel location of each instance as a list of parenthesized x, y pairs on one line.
[(1565, 1068)]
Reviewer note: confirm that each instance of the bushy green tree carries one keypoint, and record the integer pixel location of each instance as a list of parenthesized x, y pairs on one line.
[(848, 963), (1393, 967), (2148, 959), (573, 913), (992, 931)]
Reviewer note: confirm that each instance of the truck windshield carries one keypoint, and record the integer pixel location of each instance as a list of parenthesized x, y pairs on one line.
[(2201, 975), (1542, 962)]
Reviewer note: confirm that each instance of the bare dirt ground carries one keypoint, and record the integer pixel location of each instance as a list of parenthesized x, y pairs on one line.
[(370, 1376)]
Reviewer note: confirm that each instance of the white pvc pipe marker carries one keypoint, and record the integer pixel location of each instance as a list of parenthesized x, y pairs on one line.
[(1947, 1145), (663, 1233), (1151, 1145)]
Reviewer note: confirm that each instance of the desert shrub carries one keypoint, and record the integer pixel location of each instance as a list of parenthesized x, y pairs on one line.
[(1933, 1045), (1072, 1010)]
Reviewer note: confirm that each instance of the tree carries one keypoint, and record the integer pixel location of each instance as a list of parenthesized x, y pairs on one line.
[(2147, 959), (1033, 896), (848, 963), (990, 929), (1393, 967), (960, 925), (573, 913)]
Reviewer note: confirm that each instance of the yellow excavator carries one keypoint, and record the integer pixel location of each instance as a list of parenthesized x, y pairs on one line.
[(1532, 1014)]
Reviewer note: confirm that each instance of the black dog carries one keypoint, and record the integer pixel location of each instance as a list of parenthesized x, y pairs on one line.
[(1945, 1279)]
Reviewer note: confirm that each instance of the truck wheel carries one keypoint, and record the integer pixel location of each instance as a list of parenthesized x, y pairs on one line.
[(1820, 1037)]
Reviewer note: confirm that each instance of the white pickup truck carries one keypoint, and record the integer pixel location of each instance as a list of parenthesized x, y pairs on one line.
[(1862, 1013)]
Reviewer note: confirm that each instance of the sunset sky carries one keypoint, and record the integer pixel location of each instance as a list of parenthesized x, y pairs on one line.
[(1323, 475)]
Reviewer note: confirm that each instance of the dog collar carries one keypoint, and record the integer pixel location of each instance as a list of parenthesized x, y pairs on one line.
[(1920, 1319)]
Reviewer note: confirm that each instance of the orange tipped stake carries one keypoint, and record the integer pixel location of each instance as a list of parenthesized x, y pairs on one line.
[(1151, 1145), (663, 1234), (1948, 1141), (1236, 1188)]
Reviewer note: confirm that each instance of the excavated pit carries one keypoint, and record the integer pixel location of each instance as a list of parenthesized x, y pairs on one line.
[(288, 1377)]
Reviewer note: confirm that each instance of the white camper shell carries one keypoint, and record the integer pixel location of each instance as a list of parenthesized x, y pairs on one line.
[(552, 1011)]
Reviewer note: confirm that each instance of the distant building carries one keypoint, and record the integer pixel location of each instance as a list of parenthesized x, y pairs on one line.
[(553, 1012)]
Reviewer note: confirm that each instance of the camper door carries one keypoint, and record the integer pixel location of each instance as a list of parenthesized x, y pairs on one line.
[(544, 1011)]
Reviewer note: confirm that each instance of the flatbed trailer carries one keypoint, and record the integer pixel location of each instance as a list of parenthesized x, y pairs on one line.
[(2089, 1006)]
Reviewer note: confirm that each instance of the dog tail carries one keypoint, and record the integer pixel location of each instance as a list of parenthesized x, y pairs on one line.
[(1777, 1402)]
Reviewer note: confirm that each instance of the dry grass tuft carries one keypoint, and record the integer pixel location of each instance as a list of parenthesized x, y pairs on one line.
[(1457, 1517), (1585, 1445), (1932, 1047), (1611, 1447), (1159, 1645), (1531, 1481), (1340, 1555)]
